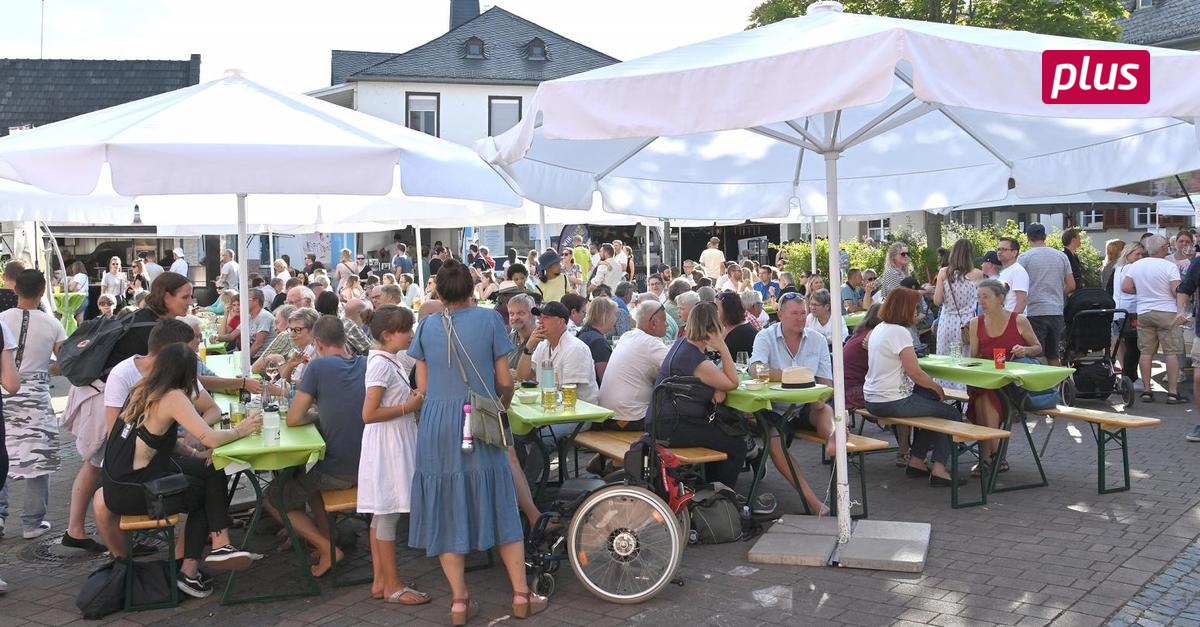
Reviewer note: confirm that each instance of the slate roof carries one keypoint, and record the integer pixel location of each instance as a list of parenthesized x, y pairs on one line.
[(41, 91), (1170, 23), (347, 62), (505, 36)]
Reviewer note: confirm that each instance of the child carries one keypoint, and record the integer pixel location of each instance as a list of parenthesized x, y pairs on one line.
[(106, 304), (385, 468)]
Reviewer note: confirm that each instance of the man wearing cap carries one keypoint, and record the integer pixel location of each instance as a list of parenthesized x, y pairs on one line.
[(713, 259), (180, 265), (1050, 281), (786, 345), (990, 264), (571, 358), (1013, 275), (551, 282)]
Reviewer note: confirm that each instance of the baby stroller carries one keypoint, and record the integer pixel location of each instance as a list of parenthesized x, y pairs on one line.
[(1088, 348)]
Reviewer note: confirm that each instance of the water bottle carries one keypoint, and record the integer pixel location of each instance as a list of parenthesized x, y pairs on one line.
[(270, 428), (468, 441), (548, 385)]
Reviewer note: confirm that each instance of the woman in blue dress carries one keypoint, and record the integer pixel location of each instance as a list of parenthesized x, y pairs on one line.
[(464, 501)]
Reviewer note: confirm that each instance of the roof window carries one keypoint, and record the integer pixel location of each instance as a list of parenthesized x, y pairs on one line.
[(473, 49), (535, 50)]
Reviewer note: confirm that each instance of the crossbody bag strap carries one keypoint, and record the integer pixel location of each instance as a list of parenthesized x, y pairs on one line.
[(399, 370), (456, 345), (24, 334)]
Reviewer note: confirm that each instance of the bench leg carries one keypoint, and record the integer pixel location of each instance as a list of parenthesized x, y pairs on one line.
[(1002, 450), (338, 576), (167, 535), (973, 449), (310, 589), (1103, 437)]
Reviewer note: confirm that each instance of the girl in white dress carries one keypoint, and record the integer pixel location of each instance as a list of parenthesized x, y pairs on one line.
[(385, 467)]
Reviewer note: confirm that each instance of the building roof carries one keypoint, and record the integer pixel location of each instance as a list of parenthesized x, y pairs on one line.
[(347, 62), (1168, 23), (41, 91), (505, 38)]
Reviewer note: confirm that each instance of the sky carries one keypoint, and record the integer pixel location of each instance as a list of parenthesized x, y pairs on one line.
[(288, 44)]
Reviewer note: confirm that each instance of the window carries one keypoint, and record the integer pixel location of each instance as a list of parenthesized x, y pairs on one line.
[(503, 113), (1145, 216), (422, 112), (878, 229), (535, 50), (473, 49), (1145, 4), (987, 218), (1091, 219)]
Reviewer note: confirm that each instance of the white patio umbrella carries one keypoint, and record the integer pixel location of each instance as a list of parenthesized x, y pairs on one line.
[(1178, 206), (235, 136), (847, 114)]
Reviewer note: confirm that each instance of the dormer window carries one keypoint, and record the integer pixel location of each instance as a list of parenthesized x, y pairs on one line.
[(473, 49), (535, 50)]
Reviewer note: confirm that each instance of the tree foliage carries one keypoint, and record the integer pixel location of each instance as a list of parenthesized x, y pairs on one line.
[(1087, 19)]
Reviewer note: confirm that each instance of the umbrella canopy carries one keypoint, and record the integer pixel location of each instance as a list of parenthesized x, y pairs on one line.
[(1013, 199), (1177, 207), (843, 113), (925, 116)]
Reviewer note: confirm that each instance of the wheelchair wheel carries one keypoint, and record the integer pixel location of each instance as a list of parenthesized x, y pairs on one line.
[(624, 544), (1066, 391), (684, 516)]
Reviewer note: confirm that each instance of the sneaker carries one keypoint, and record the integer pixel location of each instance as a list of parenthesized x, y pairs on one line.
[(765, 504), (193, 587), (143, 550), (85, 543), (228, 557), (1194, 436), (1, 527), (38, 531), (3, 586)]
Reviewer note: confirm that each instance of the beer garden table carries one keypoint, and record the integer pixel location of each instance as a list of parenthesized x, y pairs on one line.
[(531, 417), (251, 456), (982, 373), (758, 403)]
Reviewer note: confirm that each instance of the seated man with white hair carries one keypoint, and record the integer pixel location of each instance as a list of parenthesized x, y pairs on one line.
[(633, 367), (755, 315)]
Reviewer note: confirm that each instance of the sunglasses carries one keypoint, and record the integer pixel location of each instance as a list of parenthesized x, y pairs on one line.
[(904, 254), (789, 297)]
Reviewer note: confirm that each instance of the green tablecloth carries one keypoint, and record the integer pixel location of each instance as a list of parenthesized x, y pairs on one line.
[(215, 349), (225, 365), (524, 417), (854, 319), (297, 446), (752, 401), (982, 373)]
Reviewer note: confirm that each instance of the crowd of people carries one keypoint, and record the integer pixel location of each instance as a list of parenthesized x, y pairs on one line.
[(383, 367)]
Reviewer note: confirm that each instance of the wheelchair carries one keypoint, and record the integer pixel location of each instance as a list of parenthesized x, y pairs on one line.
[(624, 534)]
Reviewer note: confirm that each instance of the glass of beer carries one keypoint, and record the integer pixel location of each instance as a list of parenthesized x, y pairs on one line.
[(549, 399), (237, 413), (569, 392), (760, 371)]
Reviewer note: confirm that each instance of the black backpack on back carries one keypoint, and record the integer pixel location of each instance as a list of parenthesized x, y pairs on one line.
[(84, 354)]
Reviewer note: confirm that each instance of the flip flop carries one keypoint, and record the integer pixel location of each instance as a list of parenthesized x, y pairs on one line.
[(398, 597), (1177, 399)]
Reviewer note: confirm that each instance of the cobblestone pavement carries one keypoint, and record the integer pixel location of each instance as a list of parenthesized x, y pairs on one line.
[(1061, 555)]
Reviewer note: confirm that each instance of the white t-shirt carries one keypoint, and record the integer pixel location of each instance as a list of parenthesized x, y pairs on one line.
[(1125, 301), (826, 329), (79, 283), (608, 273), (44, 332), (113, 284), (1152, 276), (180, 266), (629, 377), (1017, 279), (153, 270), (725, 284), (573, 364), (121, 380), (713, 262), (283, 276), (10, 338), (268, 295), (886, 380), (229, 274)]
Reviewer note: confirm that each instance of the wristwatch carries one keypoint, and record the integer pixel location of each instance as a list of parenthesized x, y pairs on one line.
[(527, 351)]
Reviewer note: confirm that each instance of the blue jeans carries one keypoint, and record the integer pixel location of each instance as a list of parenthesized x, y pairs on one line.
[(923, 402), (37, 498)]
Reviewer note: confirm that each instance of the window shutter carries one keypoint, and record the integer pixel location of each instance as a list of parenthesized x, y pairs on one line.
[(1116, 218)]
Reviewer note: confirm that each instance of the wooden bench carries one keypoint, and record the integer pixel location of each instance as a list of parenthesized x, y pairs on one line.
[(958, 396), (614, 445), (966, 438), (856, 447), (1107, 427), (163, 529), (342, 504)]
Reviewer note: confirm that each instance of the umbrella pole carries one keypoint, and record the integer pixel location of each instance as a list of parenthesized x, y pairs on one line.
[(648, 253), (243, 287), (271, 254), (541, 234), (839, 381), (419, 267)]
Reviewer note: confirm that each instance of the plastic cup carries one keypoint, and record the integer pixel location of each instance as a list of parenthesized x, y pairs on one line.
[(999, 355)]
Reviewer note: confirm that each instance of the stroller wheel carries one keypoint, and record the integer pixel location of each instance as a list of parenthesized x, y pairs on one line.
[(1125, 388), (1067, 390), (544, 585)]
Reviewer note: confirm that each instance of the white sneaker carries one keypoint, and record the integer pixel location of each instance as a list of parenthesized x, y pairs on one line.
[(3, 586), (1, 527), (40, 531)]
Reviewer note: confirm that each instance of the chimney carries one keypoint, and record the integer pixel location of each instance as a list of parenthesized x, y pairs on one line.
[(462, 11)]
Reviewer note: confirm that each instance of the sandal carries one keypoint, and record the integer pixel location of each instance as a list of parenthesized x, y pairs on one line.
[(1176, 399), (398, 596), (1147, 397), (901, 460), (534, 604), (460, 618)]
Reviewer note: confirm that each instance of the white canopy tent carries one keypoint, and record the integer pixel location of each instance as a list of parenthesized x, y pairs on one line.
[(1099, 197), (234, 136), (902, 115), (1178, 206)]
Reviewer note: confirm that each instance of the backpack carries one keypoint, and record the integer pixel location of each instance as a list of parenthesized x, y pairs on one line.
[(84, 354), (715, 515)]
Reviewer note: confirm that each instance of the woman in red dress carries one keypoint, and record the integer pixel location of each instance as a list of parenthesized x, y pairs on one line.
[(996, 328)]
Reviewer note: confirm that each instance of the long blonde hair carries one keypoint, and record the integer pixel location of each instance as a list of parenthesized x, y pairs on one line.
[(892, 251)]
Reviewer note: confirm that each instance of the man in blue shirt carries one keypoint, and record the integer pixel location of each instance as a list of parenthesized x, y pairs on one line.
[(402, 263), (766, 286), (853, 293), (790, 344)]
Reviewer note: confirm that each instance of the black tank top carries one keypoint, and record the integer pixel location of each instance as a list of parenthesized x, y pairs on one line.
[(122, 445)]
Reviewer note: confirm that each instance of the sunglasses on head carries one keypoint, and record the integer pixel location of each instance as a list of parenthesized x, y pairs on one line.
[(789, 297), (904, 254)]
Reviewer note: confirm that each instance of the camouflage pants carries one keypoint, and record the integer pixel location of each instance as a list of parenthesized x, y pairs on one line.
[(31, 429)]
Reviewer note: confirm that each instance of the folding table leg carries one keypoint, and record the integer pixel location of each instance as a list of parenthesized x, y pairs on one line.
[(1103, 437), (310, 589)]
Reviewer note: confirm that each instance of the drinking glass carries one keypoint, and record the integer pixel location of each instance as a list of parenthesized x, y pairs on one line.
[(955, 352), (760, 371), (569, 394), (273, 363), (237, 413), (742, 362)]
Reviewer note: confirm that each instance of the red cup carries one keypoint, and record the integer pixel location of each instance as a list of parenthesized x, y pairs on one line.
[(999, 355)]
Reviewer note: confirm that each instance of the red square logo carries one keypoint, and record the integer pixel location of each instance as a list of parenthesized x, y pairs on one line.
[(1096, 76)]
